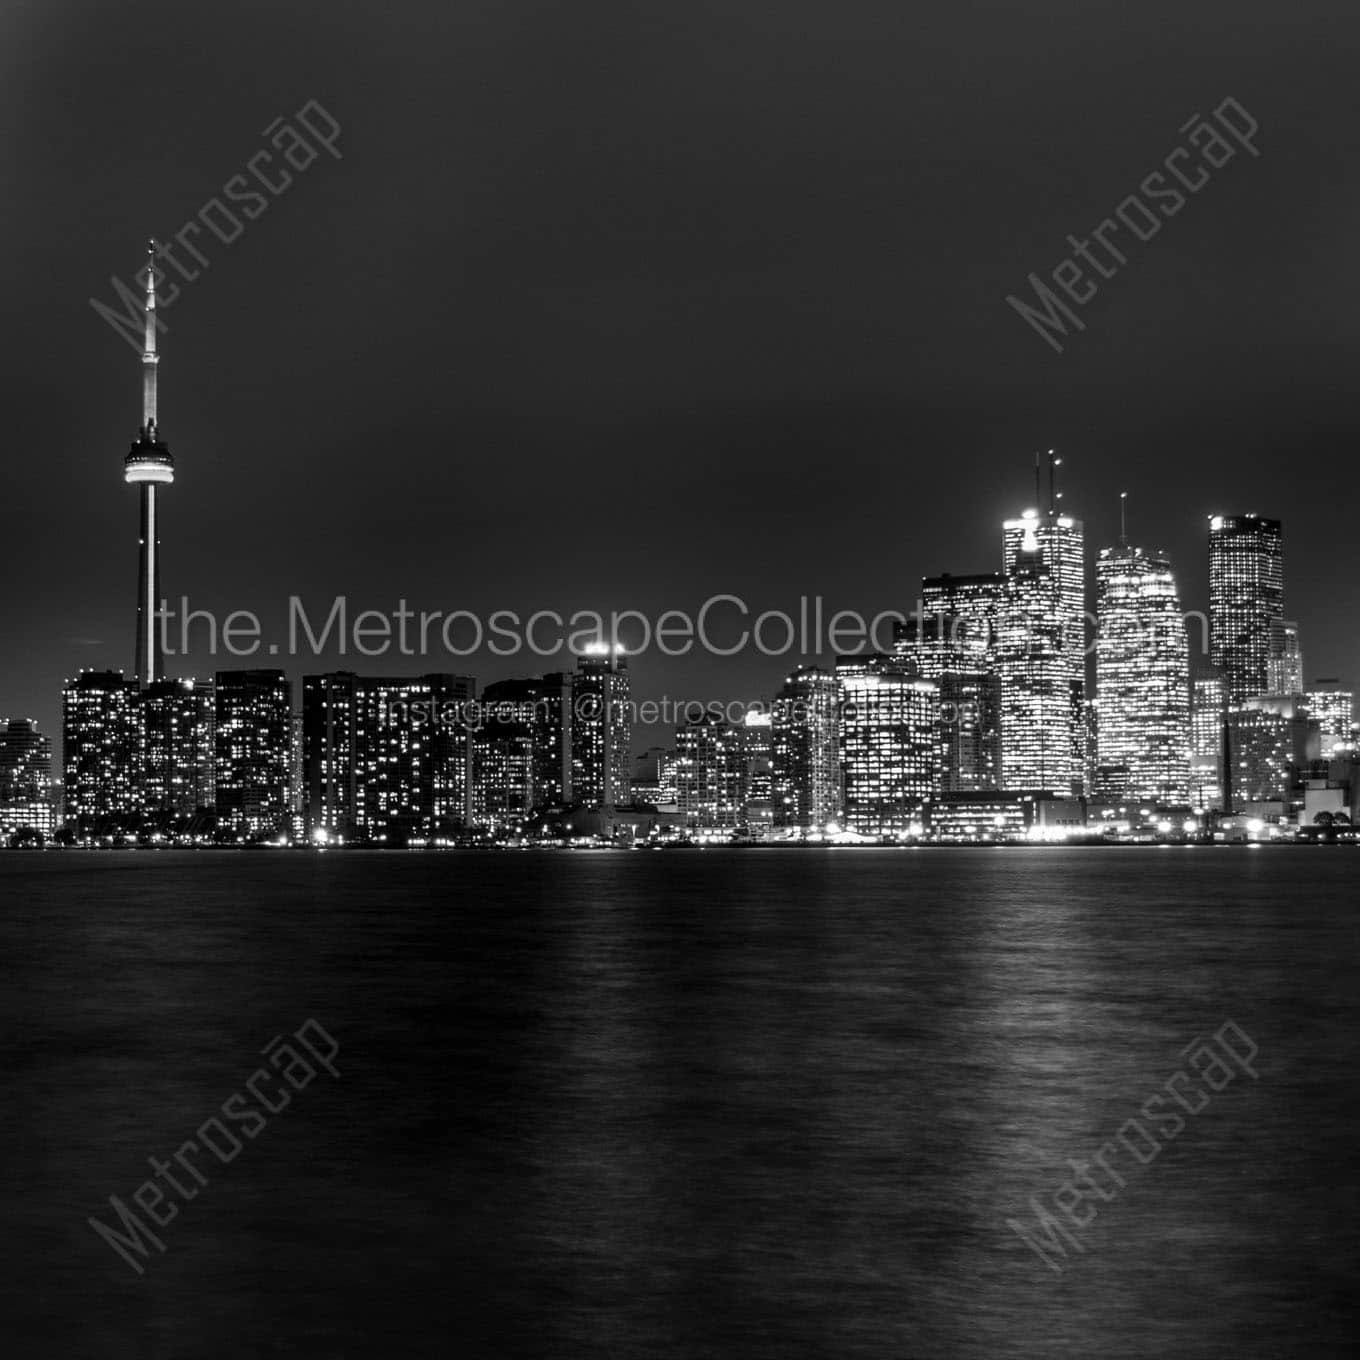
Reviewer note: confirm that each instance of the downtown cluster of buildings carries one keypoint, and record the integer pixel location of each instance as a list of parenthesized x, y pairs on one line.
[(977, 725)]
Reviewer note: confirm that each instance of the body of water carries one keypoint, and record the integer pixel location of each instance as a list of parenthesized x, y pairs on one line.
[(711, 1103)]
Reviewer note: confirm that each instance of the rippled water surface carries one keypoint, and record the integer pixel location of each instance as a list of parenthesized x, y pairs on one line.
[(748, 1104)]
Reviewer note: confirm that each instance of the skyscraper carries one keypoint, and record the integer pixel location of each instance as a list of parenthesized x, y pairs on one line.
[(101, 740), (253, 741), (1284, 665), (711, 775), (889, 744), (543, 706), (1334, 712), (1246, 600), (1043, 724), (330, 716), (1142, 675), (805, 751), (601, 728), (148, 465), (25, 779), (178, 753), (1042, 648), (1208, 710)]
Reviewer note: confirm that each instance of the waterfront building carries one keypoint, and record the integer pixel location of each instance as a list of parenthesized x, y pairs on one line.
[(101, 753), (710, 776), (178, 774), (601, 728), (252, 740), (1142, 675), (805, 752), (1246, 601), (889, 745), (25, 780)]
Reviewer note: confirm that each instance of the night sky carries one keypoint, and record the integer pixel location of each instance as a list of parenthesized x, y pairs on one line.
[(622, 305)]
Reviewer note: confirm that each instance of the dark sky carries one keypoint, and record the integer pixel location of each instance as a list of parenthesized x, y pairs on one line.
[(621, 305)]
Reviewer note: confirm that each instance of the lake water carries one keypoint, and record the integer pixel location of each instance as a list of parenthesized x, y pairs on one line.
[(689, 1104)]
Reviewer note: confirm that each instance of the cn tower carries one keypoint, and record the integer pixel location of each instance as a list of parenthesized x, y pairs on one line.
[(149, 465)]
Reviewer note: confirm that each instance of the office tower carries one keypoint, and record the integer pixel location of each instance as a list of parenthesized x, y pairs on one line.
[(1271, 741), (25, 780), (1208, 710), (1284, 665), (1042, 648), (601, 728), (889, 744), (805, 771), (253, 712), (971, 609), (503, 796), (178, 749), (947, 649), (1142, 675), (387, 761), (330, 716), (544, 705), (1042, 719), (710, 776), (101, 741), (1334, 712), (413, 757), (757, 738), (148, 465), (1246, 600)]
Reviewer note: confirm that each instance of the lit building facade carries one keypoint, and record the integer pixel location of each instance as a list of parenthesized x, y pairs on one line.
[(601, 728), (25, 780), (1284, 666), (1040, 657), (252, 740), (711, 780), (889, 745), (1142, 675), (1334, 712), (101, 753), (1208, 709), (543, 706), (330, 718), (1271, 742), (805, 752), (178, 751), (1246, 600)]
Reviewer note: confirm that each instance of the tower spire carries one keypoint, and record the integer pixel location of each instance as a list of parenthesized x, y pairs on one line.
[(149, 356), (1123, 520)]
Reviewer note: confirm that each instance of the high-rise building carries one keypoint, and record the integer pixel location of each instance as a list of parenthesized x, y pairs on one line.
[(1042, 649), (970, 610), (543, 706), (1271, 741), (1284, 665), (1246, 600), (101, 753), (503, 797), (413, 757), (1334, 712), (1142, 675), (178, 750), (1208, 710), (25, 779), (1042, 704), (710, 775), (945, 648), (757, 742), (387, 761), (330, 717), (253, 738), (148, 465), (805, 752), (889, 744), (601, 728)]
